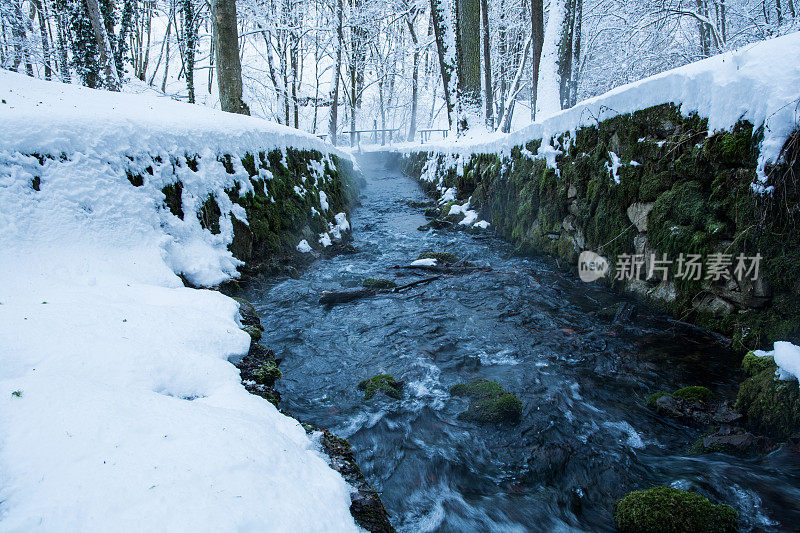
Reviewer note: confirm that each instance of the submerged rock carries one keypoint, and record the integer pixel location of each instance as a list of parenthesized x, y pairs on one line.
[(692, 404), (378, 284), (733, 441), (489, 402), (665, 509), (384, 383)]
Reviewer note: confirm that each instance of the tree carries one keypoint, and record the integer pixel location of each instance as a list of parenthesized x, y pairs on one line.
[(228, 65), (548, 88), (487, 64), (537, 42), (468, 59), (442, 29), (107, 65)]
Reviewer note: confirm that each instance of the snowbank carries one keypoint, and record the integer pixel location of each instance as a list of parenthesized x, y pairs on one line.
[(787, 357), (119, 409), (759, 83)]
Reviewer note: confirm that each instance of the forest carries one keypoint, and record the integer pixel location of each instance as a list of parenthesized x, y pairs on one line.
[(334, 67)]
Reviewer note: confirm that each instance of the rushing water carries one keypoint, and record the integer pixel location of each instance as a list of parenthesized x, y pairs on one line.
[(585, 438)]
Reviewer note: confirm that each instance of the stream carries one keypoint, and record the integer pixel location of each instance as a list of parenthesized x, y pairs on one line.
[(585, 437)]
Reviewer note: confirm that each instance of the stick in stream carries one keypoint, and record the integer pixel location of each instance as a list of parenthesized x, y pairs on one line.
[(340, 297)]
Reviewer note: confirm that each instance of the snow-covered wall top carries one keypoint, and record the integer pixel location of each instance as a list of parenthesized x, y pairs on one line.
[(759, 83), (49, 117), (119, 409)]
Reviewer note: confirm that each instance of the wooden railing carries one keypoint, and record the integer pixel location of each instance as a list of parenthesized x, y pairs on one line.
[(355, 135)]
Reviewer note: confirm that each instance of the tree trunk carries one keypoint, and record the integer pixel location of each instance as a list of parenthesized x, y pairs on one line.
[(103, 46), (229, 68), (412, 129), (487, 65), (332, 125), (45, 43), (537, 42), (446, 67), (547, 89), (468, 54)]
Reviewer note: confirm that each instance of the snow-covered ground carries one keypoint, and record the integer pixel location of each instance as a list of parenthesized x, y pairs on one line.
[(759, 83), (119, 410)]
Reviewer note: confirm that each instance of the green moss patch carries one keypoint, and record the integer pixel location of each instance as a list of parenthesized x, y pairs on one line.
[(669, 510), (693, 394), (268, 374), (379, 284), (652, 399), (753, 364), (770, 406), (489, 402), (384, 383)]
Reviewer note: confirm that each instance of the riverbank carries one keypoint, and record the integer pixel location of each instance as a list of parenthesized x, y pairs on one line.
[(121, 408)]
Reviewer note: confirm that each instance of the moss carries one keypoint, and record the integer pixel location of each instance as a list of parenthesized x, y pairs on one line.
[(770, 406), (669, 510), (173, 199), (652, 400), (384, 383), (753, 364), (489, 402), (441, 257), (209, 215), (379, 284), (253, 331), (268, 374), (693, 394)]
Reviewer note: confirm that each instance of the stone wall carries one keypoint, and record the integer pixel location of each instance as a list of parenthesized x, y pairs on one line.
[(651, 182)]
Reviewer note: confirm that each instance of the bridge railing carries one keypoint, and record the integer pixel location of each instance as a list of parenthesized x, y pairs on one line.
[(425, 135)]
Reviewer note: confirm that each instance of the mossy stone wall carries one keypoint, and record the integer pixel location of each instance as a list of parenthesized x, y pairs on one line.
[(677, 190)]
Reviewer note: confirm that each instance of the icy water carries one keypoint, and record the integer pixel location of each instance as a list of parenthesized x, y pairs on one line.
[(585, 437)]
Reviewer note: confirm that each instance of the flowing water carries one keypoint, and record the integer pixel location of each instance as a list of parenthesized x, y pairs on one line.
[(585, 437)]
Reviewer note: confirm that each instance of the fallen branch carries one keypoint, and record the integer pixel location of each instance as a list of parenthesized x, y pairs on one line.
[(445, 269), (340, 297), (415, 283)]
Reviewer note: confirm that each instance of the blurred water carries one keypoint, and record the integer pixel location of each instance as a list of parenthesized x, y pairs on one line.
[(585, 438)]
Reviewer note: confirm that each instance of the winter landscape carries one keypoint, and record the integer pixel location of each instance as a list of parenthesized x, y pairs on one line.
[(416, 265)]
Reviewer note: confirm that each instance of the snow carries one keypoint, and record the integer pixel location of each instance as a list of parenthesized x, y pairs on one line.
[(119, 408), (787, 357), (303, 247), (424, 262), (324, 239), (323, 201), (613, 167), (759, 83)]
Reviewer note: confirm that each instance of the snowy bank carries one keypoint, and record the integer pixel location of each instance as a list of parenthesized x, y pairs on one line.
[(119, 409), (759, 83)]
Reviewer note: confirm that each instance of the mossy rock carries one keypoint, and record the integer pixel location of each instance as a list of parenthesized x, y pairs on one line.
[(770, 406), (379, 284), (753, 364), (693, 394), (384, 383), (441, 257), (268, 374), (652, 400), (489, 402), (669, 510), (253, 331)]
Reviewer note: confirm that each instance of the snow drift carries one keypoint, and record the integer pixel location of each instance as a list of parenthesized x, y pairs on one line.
[(119, 409), (759, 83)]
